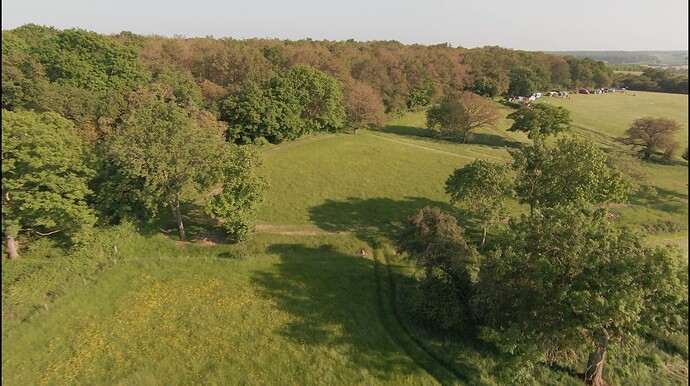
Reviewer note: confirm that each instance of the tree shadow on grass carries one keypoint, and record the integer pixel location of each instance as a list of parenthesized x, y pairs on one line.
[(372, 217), (408, 131), (332, 299), (494, 140), (668, 201)]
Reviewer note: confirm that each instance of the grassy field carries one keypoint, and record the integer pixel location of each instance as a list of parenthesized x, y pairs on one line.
[(299, 303), (613, 113), (278, 310)]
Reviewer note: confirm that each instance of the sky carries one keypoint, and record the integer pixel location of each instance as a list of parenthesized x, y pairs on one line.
[(533, 25)]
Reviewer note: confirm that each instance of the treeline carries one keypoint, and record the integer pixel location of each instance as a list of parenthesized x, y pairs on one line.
[(614, 57), (653, 79), (629, 57), (86, 77)]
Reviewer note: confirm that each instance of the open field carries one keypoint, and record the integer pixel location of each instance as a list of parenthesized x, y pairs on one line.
[(299, 304), (611, 114)]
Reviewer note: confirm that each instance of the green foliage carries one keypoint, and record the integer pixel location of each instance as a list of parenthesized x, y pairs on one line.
[(183, 85), (458, 114), (567, 279), (253, 113), (481, 187), (523, 82), (300, 101), (241, 194), (45, 173), (630, 168), (48, 272), (318, 95), (160, 148), (90, 61), (434, 242), (540, 120), (575, 170)]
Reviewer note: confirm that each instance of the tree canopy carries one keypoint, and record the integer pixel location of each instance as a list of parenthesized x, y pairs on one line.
[(458, 114), (45, 172), (540, 120), (573, 171), (568, 279), (160, 145), (481, 187), (652, 134)]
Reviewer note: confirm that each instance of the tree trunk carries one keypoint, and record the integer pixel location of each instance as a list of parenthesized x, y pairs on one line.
[(12, 246), (175, 206), (647, 154), (484, 236), (595, 365)]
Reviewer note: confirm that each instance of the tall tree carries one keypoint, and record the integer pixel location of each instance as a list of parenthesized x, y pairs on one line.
[(161, 145), (241, 193), (569, 280), (44, 178), (363, 105), (458, 114), (540, 120), (319, 96), (523, 82), (652, 134), (574, 170), (481, 187)]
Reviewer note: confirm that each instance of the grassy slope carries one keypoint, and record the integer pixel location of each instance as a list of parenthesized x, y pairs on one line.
[(293, 309), (299, 311)]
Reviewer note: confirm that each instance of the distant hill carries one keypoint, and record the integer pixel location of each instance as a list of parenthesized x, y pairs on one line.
[(655, 58)]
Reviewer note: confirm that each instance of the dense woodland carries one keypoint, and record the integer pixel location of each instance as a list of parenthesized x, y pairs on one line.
[(99, 130)]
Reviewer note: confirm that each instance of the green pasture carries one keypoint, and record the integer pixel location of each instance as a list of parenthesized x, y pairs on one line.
[(609, 115), (278, 310), (299, 304)]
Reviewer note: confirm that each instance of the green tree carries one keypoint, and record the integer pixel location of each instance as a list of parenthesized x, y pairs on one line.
[(481, 187), (523, 82), (241, 193), (540, 120), (254, 113), (318, 95), (301, 101), (160, 146), (568, 279), (434, 241), (44, 178), (574, 170), (90, 61), (458, 114), (652, 134)]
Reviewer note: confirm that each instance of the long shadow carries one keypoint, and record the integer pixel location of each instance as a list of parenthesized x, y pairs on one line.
[(486, 139), (372, 217), (332, 300), (668, 201), (494, 140), (408, 131)]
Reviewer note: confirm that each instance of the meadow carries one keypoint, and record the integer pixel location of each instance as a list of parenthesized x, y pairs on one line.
[(317, 295)]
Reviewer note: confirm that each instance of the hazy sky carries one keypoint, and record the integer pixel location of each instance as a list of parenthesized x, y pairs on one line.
[(539, 25)]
